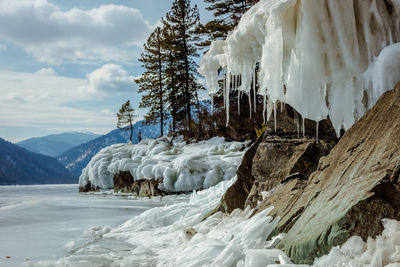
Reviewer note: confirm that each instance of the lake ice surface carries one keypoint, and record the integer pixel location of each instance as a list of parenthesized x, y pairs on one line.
[(46, 222)]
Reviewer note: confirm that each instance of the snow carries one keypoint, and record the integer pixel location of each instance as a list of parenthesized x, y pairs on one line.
[(323, 57), (383, 251), (178, 235), (183, 167)]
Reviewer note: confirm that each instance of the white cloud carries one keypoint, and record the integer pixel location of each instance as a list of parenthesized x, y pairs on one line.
[(3, 47), (109, 79), (35, 99), (107, 112), (43, 101), (47, 72), (54, 36)]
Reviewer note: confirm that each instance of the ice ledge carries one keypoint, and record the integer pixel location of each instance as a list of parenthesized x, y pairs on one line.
[(318, 56)]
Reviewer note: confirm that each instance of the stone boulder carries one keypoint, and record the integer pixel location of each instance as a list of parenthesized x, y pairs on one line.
[(271, 159), (353, 189), (123, 182), (279, 159)]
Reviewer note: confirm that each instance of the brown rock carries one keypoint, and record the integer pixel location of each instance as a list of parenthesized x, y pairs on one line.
[(88, 188), (123, 182), (355, 187), (277, 158), (236, 195)]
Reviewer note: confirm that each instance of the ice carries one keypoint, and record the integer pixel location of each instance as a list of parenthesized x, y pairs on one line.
[(382, 251), (183, 167), (178, 235), (323, 57), (51, 221)]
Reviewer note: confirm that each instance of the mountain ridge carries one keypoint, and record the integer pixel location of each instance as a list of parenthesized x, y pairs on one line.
[(21, 166), (56, 144)]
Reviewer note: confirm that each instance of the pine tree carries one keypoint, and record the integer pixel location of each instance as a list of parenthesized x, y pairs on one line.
[(183, 22), (174, 94), (227, 15), (125, 117), (151, 81)]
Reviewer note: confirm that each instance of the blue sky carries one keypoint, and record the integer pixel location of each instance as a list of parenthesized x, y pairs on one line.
[(68, 65)]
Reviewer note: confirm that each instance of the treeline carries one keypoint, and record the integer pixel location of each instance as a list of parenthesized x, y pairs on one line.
[(170, 83)]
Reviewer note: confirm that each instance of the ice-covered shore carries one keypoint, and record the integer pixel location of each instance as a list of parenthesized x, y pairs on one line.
[(177, 235), (183, 167)]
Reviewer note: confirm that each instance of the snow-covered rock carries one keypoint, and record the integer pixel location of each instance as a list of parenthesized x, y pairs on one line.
[(183, 167), (322, 57)]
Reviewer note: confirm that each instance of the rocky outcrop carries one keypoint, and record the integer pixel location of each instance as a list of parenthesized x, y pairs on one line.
[(277, 154), (353, 189), (123, 182), (88, 188), (279, 160), (236, 195)]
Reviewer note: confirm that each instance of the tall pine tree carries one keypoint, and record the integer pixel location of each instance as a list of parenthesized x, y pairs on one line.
[(184, 22), (174, 94), (152, 80)]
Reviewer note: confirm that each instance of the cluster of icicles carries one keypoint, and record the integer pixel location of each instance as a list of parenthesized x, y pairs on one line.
[(322, 57)]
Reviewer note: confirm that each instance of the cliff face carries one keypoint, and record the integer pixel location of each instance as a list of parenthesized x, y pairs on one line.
[(322, 204), (355, 187), (278, 155)]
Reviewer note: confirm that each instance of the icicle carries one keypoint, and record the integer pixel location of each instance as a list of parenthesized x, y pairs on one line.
[(212, 104), (317, 130), (281, 106), (254, 90), (304, 128), (264, 106), (227, 91), (223, 88), (275, 115), (239, 99), (298, 127), (250, 109)]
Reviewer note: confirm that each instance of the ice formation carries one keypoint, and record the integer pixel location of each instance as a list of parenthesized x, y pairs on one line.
[(383, 251), (323, 57), (177, 235), (183, 167)]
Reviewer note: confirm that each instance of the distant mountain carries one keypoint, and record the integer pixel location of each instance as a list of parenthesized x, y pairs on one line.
[(20, 166), (56, 144), (78, 157)]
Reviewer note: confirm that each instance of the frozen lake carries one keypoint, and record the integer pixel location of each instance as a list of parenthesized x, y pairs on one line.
[(43, 222)]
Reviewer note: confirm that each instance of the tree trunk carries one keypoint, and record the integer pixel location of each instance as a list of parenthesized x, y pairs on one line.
[(187, 92), (161, 87), (130, 138)]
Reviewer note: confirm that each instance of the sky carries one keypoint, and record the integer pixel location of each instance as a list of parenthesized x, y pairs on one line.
[(69, 65)]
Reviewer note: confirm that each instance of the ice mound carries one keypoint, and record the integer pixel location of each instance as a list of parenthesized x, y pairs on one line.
[(382, 251), (183, 167), (323, 57)]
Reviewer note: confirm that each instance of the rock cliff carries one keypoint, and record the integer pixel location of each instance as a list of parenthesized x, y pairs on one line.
[(278, 155), (322, 204), (353, 189)]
